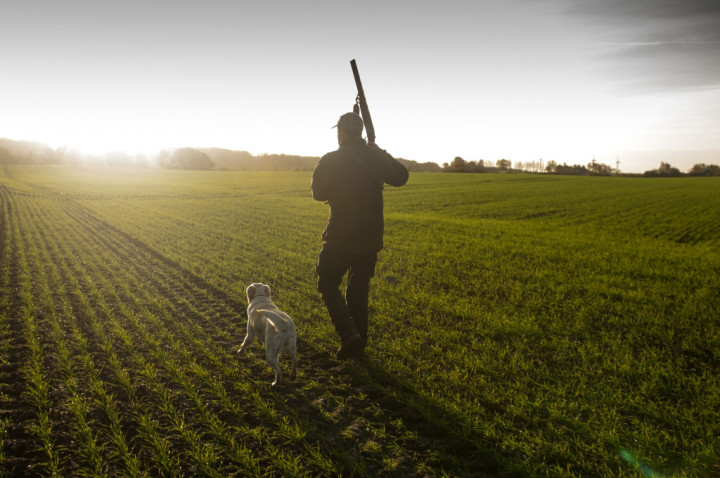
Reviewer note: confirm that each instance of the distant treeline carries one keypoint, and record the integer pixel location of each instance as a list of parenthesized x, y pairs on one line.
[(229, 160), (28, 152), (594, 168)]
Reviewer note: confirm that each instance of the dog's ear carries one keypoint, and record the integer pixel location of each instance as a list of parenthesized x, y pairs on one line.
[(250, 291), (267, 290)]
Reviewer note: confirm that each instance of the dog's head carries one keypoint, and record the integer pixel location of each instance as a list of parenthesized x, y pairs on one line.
[(257, 289)]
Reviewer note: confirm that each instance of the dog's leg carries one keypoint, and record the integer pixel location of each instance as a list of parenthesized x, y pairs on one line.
[(248, 339), (272, 354)]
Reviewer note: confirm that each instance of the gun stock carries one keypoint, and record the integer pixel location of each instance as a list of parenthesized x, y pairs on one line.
[(361, 101)]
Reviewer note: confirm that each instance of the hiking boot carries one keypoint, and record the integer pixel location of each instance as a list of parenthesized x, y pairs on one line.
[(350, 347)]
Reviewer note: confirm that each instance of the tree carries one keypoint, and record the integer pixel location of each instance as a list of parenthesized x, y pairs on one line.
[(551, 166), (458, 165), (503, 164), (704, 170), (475, 167), (604, 169), (190, 158), (574, 169), (599, 169), (414, 166), (664, 171), (667, 170)]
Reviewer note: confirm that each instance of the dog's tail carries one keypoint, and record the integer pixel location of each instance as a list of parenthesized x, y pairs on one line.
[(280, 320)]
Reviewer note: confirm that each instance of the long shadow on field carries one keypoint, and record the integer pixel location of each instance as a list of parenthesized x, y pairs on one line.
[(363, 402), (131, 245)]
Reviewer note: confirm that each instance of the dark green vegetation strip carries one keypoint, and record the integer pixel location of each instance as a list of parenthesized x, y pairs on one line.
[(521, 326)]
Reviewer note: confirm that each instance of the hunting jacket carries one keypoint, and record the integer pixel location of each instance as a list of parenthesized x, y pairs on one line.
[(351, 181)]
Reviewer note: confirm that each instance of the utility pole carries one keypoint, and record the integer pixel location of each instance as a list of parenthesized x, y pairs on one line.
[(617, 165)]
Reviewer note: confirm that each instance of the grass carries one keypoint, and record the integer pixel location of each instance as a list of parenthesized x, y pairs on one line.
[(521, 325)]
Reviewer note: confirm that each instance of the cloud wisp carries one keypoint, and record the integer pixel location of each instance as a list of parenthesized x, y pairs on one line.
[(656, 45)]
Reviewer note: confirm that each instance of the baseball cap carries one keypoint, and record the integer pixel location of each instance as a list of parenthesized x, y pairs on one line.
[(350, 122)]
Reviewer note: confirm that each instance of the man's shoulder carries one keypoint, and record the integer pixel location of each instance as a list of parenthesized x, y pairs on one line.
[(362, 151), (332, 156), (329, 163)]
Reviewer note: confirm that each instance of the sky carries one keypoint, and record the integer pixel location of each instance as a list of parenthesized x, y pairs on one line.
[(634, 81)]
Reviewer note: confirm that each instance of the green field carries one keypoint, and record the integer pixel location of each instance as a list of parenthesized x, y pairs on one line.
[(521, 325)]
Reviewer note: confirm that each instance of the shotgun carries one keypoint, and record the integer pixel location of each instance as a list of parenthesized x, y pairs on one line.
[(362, 106)]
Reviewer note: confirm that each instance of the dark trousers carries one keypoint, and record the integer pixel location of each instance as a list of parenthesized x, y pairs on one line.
[(349, 314)]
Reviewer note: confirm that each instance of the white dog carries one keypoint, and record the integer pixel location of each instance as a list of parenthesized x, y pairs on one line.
[(272, 327)]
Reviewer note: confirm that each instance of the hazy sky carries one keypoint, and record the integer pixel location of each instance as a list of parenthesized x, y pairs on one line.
[(562, 80)]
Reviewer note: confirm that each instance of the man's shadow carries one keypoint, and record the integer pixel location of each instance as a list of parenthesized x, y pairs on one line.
[(347, 402)]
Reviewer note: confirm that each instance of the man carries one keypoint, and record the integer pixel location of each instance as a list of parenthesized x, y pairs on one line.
[(351, 180)]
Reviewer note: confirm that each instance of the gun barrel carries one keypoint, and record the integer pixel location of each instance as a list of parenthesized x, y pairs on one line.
[(364, 110)]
